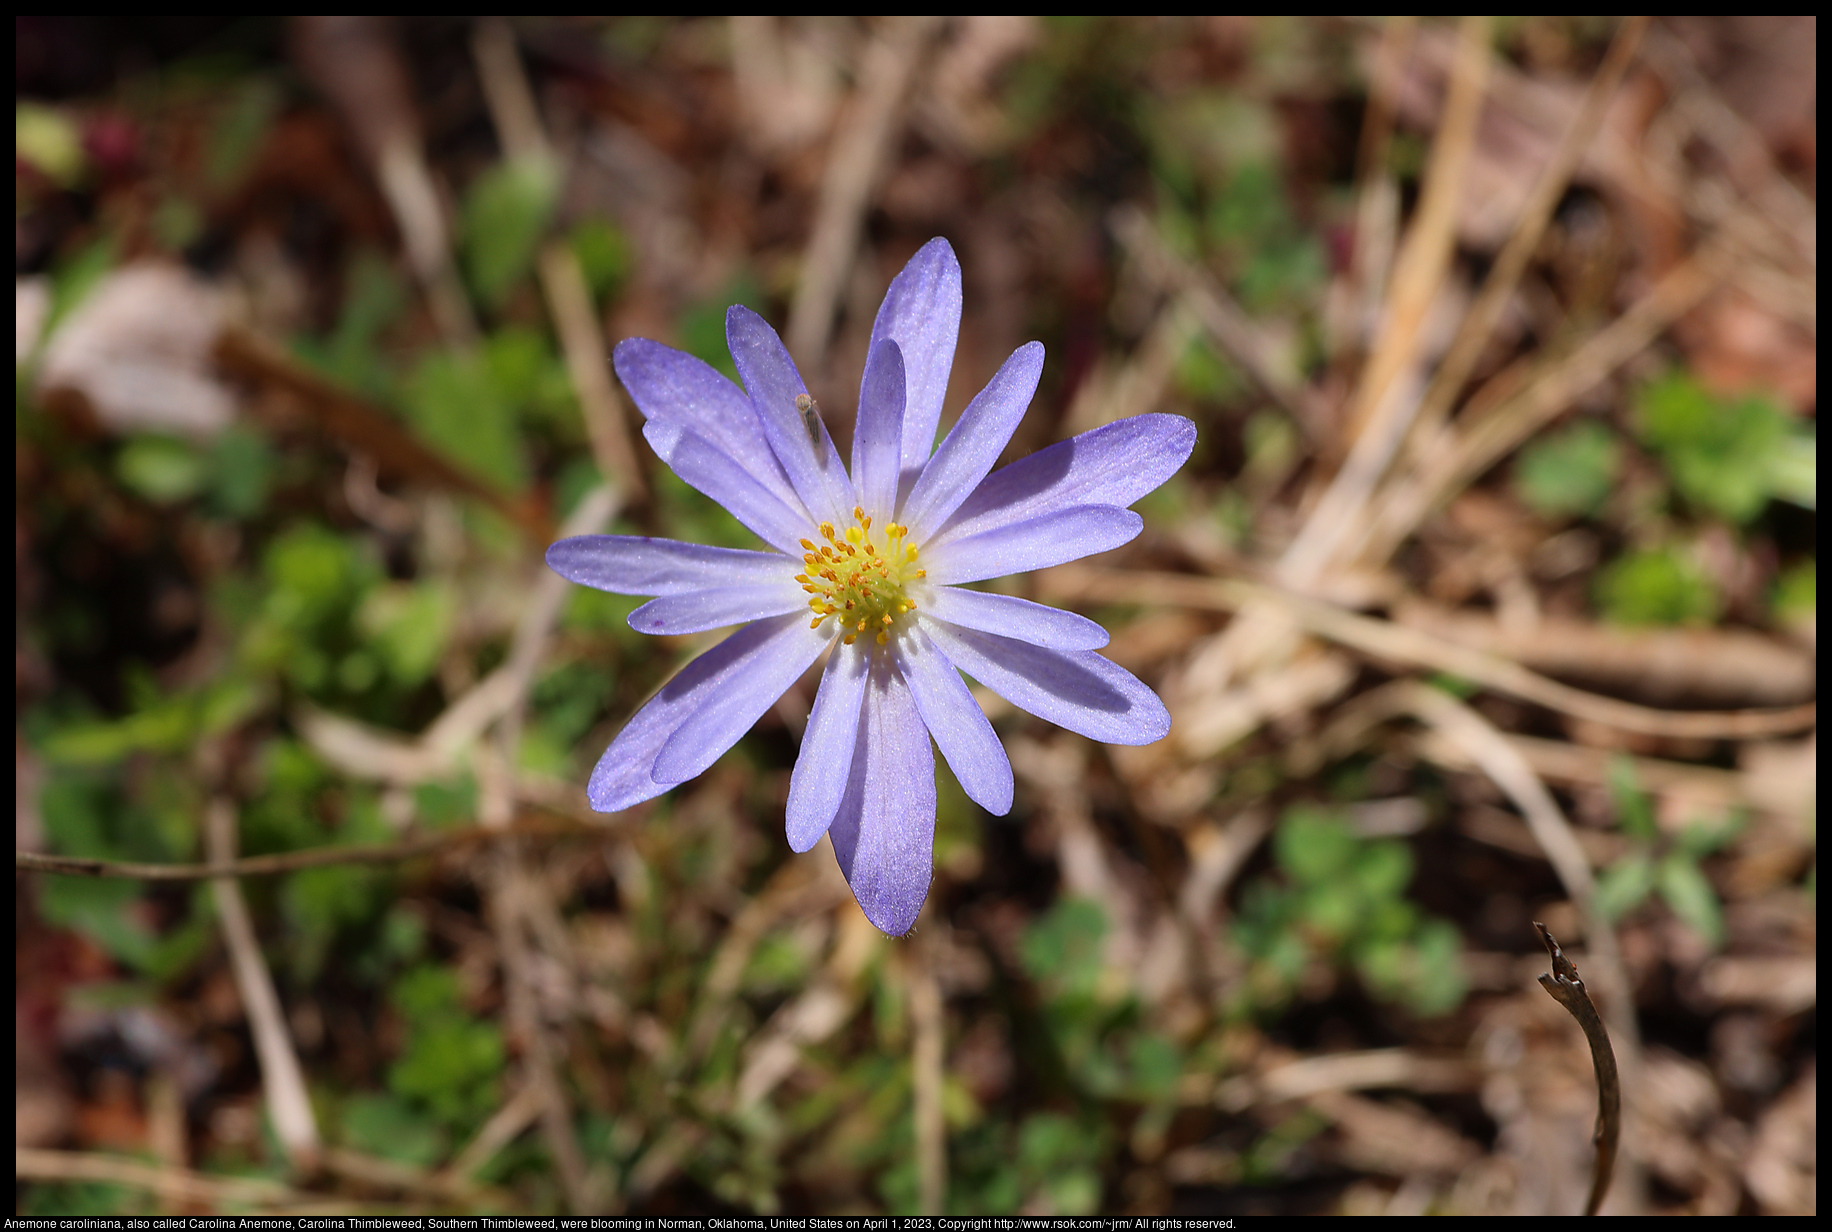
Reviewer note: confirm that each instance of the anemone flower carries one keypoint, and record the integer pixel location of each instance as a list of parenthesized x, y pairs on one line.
[(871, 568)]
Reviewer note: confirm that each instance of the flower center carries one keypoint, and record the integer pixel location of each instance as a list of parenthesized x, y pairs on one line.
[(858, 578)]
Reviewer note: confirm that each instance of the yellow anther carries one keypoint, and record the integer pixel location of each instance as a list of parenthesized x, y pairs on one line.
[(858, 574)]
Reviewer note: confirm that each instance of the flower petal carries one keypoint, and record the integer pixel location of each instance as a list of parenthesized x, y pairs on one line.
[(824, 768), (974, 443), (884, 831), (813, 466), (636, 565), (625, 774), (706, 468), (921, 313), (699, 610), (877, 441), (1111, 465), (680, 392), (1078, 690), (1010, 616), (960, 727), (1042, 541), (741, 699)]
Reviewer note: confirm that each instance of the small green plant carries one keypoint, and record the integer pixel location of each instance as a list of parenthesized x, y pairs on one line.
[(1656, 587), (1726, 456), (1570, 472), (1340, 899), (1657, 864)]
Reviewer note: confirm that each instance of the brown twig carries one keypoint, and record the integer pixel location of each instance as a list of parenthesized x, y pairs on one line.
[(1567, 988), (361, 428)]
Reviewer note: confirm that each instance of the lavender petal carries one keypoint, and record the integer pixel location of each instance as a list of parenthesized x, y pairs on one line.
[(677, 392), (824, 766), (813, 466), (884, 831), (1036, 543), (877, 440), (973, 445), (697, 611), (1010, 616), (1077, 690), (741, 699), (921, 313), (637, 565), (624, 775), (1111, 465), (706, 468), (960, 727)]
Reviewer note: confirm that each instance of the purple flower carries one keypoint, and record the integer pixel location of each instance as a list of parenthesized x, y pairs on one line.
[(874, 565)]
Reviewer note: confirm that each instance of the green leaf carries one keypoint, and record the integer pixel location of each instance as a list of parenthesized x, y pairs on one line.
[(1065, 944), (1625, 885), (1796, 592), (162, 469), (1658, 587), (408, 624), (241, 469), (605, 256), (1314, 846), (1383, 869), (1688, 892), (503, 219), (1723, 455), (312, 573), (391, 1128), (1794, 471), (1569, 472), (1633, 808), (457, 406)]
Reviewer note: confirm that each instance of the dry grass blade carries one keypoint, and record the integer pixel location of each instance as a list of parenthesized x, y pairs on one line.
[(1512, 260), (282, 1078), (1383, 639), (1525, 398), (542, 828), (524, 139), (1383, 406), (858, 156), (1567, 988), (177, 1185)]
